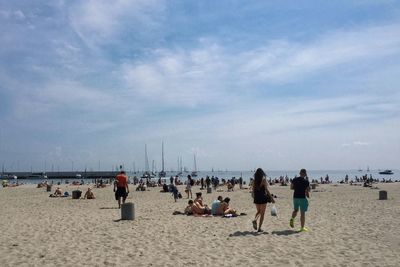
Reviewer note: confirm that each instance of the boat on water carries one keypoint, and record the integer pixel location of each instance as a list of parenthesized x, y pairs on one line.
[(147, 173), (179, 166), (389, 172)]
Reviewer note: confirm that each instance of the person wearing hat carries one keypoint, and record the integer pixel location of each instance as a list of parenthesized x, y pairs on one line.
[(301, 188)]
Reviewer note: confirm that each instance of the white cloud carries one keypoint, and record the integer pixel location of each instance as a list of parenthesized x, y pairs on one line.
[(284, 62), (211, 72), (19, 15), (99, 22), (361, 143), (178, 77), (356, 143)]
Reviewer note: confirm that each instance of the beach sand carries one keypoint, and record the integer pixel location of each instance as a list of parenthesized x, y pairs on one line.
[(348, 225)]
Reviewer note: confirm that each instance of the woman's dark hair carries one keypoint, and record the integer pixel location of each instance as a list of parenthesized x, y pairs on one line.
[(258, 176), (227, 199)]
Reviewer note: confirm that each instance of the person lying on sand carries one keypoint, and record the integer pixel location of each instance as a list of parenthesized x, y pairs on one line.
[(89, 194)]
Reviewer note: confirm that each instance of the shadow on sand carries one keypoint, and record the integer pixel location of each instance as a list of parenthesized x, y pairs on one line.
[(285, 232), (247, 233), (109, 208)]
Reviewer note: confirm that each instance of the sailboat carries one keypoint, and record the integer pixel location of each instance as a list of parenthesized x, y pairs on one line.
[(194, 172), (179, 166), (162, 173), (146, 173)]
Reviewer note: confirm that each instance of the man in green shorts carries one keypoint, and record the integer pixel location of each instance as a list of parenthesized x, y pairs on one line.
[(301, 188)]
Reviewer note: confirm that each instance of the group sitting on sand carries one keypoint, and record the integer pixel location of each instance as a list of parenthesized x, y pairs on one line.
[(219, 207)]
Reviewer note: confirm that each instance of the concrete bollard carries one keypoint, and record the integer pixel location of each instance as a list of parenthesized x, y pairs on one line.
[(382, 195), (209, 190), (128, 211)]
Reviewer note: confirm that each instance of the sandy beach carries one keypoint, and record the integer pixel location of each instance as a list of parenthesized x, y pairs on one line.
[(348, 225)]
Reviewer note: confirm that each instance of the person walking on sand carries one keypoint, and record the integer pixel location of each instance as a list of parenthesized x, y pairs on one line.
[(121, 188), (301, 187), (261, 197)]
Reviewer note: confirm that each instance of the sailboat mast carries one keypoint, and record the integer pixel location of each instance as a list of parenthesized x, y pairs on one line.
[(162, 156), (146, 159), (195, 165)]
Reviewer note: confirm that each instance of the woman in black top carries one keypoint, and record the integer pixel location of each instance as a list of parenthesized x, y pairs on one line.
[(261, 197)]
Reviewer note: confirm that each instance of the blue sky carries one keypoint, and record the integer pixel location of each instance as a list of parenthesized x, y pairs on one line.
[(276, 84)]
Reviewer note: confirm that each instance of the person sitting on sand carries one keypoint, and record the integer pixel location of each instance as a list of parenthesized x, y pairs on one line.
[(215, 206), (189, 208), (224, 208), (89, 194), (199, 199), (196, 208), (140, 187), (230, 186), (198, 202), (58, 192)]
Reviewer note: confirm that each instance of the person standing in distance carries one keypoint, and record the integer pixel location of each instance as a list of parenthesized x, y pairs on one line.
[(121, 188), (301, 188)]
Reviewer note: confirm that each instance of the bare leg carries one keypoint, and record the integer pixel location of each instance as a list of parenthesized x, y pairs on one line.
[(119, 202), (262, 213), (294, 214), (258, 207), (257, 214), (302, 218)]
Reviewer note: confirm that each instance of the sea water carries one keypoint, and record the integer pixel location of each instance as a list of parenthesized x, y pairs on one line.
[(334, 175)]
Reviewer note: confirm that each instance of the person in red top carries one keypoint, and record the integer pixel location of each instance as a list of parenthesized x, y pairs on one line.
[(121, 188)]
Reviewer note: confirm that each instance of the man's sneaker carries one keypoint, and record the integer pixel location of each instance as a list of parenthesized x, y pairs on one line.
[(303, 229), (291, 223)]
